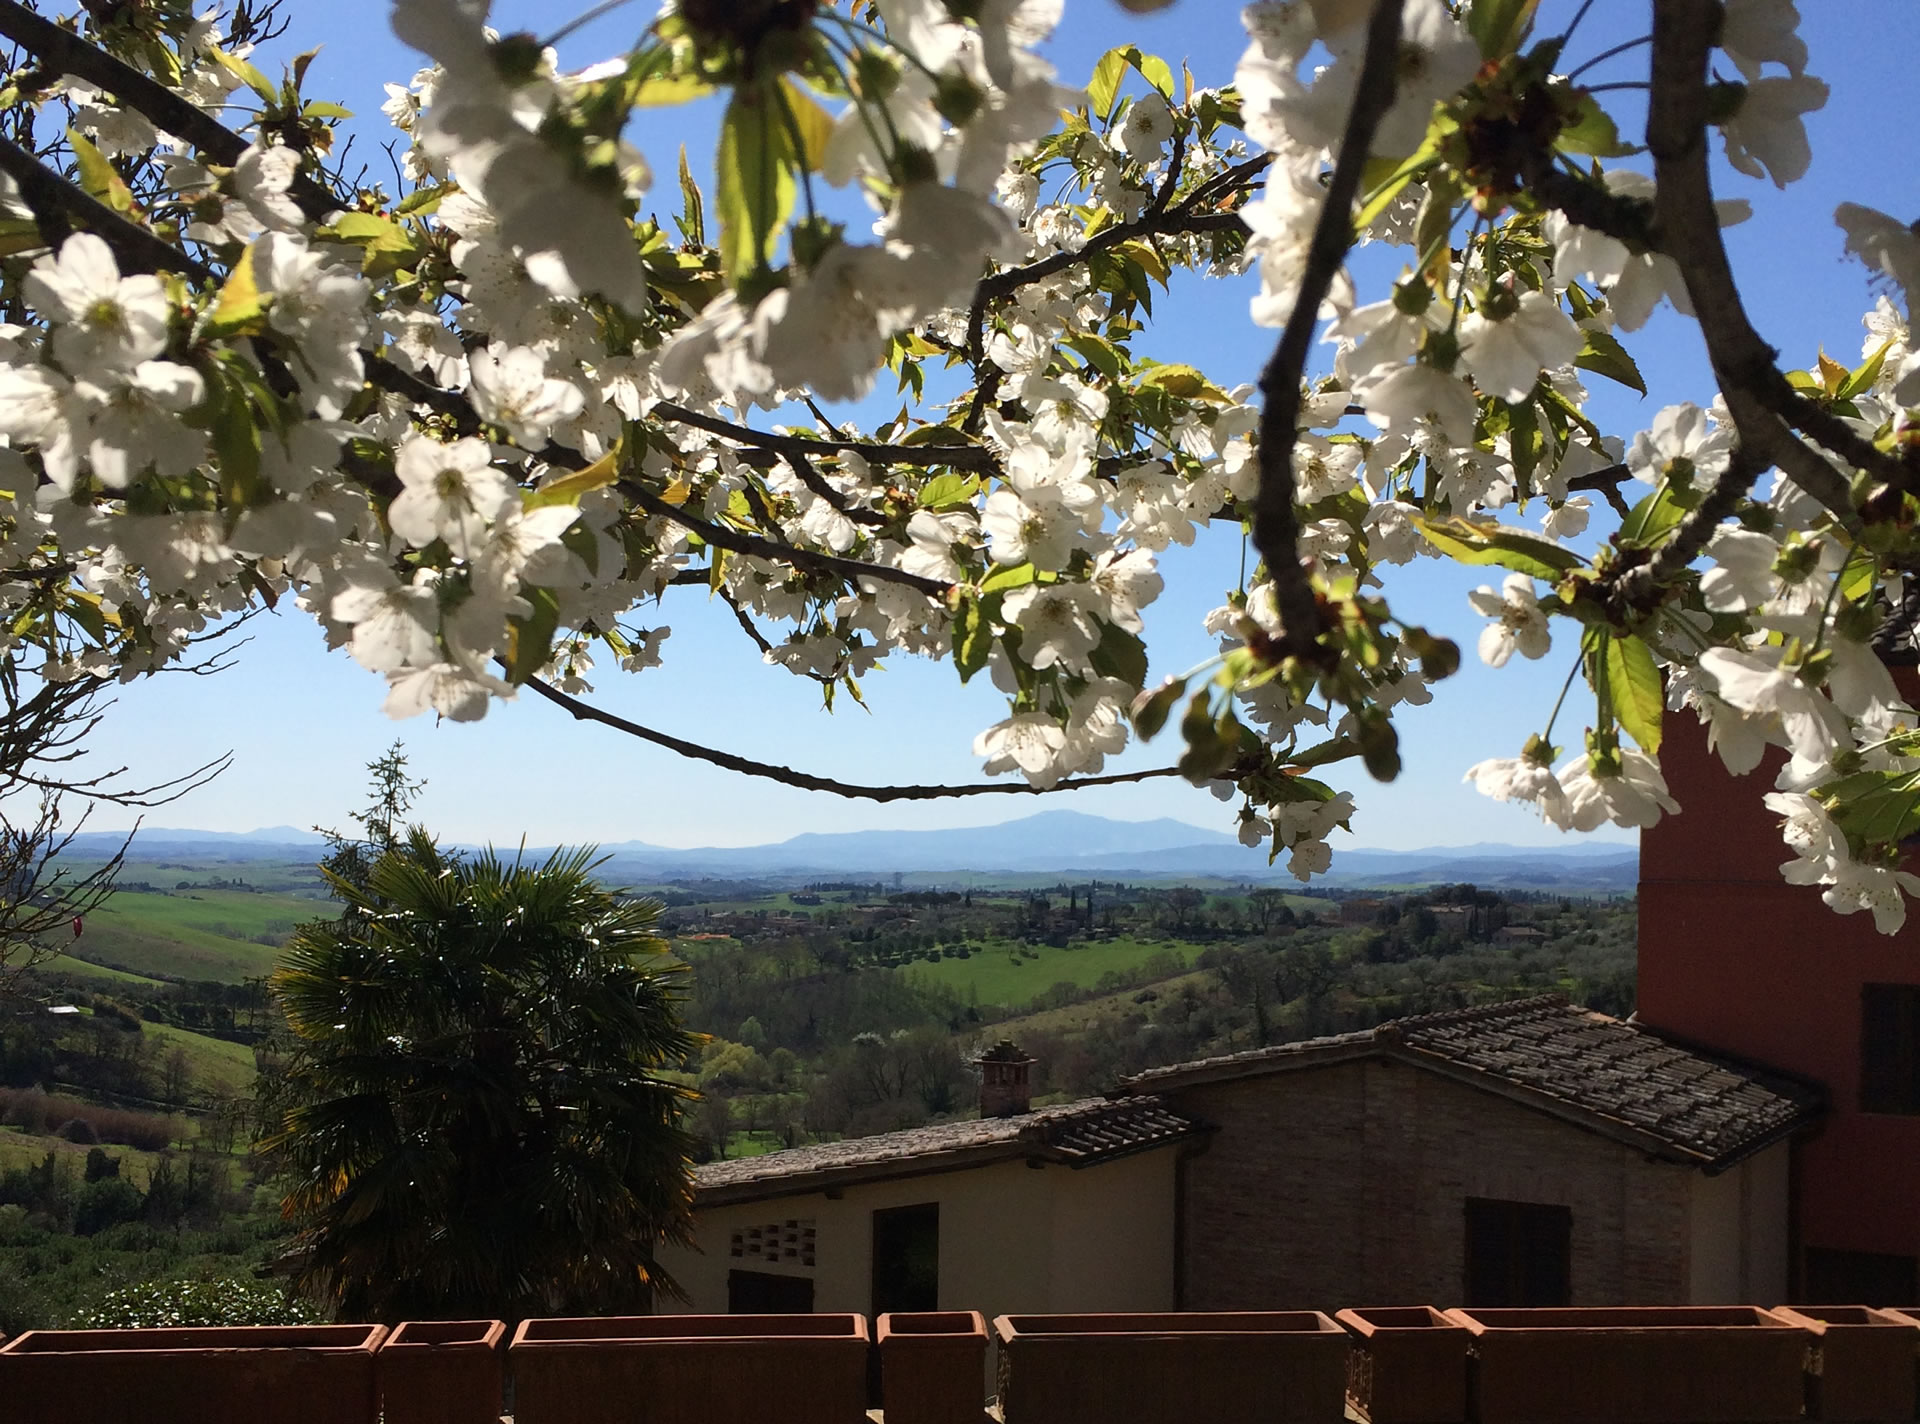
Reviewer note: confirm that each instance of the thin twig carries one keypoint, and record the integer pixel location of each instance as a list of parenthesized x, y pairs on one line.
[(1276, 529), (963, 457), (786, 776)]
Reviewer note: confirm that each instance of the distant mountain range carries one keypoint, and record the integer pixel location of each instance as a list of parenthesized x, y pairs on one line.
[(1068, 843)]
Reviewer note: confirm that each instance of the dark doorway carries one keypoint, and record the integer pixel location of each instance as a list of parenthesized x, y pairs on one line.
[(906, 1258), (763, 1293), (1518, 1253), (1858, 1278)]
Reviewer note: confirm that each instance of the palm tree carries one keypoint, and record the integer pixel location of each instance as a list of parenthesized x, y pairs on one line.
[(473, 1118)]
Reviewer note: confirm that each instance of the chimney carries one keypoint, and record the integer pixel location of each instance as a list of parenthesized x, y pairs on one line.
[(1006, 1089)]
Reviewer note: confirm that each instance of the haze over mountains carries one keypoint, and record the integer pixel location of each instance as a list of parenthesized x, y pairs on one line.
[(1068, 843)]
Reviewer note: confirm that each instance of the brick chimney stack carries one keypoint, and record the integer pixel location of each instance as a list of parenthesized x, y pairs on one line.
[(1006, 1087)]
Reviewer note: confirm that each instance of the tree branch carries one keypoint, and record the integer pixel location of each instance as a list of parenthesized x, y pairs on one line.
[(964, 457), (1757, 395), (57, 205), (1276, 529), (1639, 588), (67, 52), (786, 776), (723, 537)]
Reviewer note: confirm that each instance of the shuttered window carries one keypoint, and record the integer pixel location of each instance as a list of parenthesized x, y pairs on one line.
[(1890, 1048)]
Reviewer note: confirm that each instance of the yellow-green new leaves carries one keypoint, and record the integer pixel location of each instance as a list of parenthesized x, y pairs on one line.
[(241, 307), (98, 177), (770, 132), (570, 487), (1470, 542), (1103, 93), (754, 184), (1627, 683), (387, 246)]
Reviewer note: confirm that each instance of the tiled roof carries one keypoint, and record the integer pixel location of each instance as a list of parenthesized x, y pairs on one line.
[(1607, 1074), (1076, 1134)]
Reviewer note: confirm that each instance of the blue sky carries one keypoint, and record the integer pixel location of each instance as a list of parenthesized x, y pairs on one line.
[(301, 722)]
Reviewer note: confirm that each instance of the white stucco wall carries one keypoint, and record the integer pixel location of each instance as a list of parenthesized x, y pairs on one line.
[(1738, 1242), (1013, 1238)]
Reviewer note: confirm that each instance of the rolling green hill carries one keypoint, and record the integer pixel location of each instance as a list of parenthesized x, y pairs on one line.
[(223, 934), (1013, 974)]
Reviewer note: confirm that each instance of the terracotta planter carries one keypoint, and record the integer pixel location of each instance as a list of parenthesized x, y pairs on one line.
[(1862, 1363), (691, 1369), (933, 1366), (1269, 1367), (1408, 1365), (240, 1374), (1734, 1364), (442, 1372)]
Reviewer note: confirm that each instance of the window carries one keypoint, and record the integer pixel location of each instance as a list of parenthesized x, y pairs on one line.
[(1890, 1048), (1858, 1278), (1518, 1253), (763, 1293), (906, 1258)]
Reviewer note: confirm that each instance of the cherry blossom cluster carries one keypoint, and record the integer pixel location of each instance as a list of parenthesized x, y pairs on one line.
[(483, 428)]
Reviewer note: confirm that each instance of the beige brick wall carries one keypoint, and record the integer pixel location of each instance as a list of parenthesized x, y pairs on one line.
[(1346, 1185)]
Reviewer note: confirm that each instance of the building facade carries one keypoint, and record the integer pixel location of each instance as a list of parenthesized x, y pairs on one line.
[(1733, 958)]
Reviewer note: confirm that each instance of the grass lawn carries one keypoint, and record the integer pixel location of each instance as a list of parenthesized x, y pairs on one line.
[(1077, 1018), (1013, 974), (81, 969), (217, 1065), (199, 934), (19, 1150)]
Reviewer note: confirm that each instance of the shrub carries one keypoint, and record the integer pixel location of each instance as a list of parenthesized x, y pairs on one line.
[(106, 1202), (226, 1300)]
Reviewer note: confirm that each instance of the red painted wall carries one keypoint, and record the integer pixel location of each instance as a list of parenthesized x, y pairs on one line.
[(1731, 957)]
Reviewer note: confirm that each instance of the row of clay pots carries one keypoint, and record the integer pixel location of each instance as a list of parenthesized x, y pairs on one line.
[(421, 1372), (1399, 1365)]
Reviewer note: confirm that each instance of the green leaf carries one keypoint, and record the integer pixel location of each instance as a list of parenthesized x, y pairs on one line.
[(1605, 356), (570, 487), (946, 491), (321, 109), (1861, 379), (1150, 710), (972, 636), (754, 184), (1186, 382), (814, 123), (1498, 26), (386, 246), (425, 200), (1120, 654), (661, 90), (530, 639), (98, 176), (1154, 70), (1101, 354), (19, 235), (1468, 542), (693, 218), (236, 440), (247, 75), (1592, 133), (1654, 517), (1639, 697), (1876, 808), (1381, 195), (240, 309), (1001, 580), (1103, 90)]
